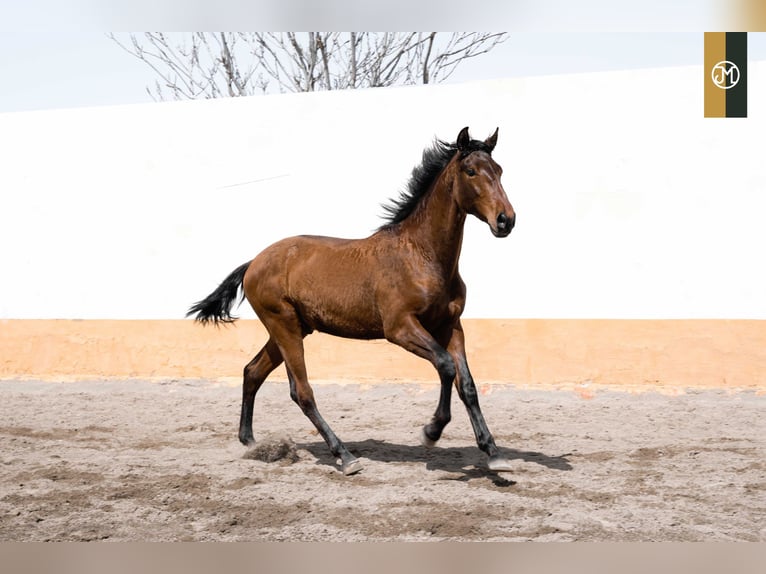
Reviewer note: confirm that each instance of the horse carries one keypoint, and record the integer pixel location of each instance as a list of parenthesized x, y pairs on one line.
[(400, 284)]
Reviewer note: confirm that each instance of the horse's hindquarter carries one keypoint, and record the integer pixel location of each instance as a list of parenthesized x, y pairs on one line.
[(330, 282)]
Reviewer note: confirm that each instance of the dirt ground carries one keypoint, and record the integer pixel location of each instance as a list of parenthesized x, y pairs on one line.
[(147, 460)]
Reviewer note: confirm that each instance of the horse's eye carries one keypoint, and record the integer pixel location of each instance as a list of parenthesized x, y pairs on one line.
[(470, 172)]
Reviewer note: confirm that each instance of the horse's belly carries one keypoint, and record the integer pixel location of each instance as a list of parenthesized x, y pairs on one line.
[(346, 310), (352, 331), (354, 323)]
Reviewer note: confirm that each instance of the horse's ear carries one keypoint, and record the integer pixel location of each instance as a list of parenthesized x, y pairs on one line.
[(463, 139), (491, 141)]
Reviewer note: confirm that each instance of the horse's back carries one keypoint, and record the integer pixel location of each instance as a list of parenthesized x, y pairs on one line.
[(302, 253)]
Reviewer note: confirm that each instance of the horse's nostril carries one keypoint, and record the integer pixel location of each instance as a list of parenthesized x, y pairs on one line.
[(504, 225)]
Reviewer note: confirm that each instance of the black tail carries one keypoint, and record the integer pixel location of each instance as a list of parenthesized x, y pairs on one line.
[(216, 307)]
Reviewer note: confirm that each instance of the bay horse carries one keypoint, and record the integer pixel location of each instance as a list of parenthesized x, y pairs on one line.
[(401, 284)]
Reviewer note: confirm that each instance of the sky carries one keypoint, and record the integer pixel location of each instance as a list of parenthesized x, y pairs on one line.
[(56, 53), (51, 68)]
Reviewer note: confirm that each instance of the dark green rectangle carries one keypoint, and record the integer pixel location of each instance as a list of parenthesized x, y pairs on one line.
[(736, 96)]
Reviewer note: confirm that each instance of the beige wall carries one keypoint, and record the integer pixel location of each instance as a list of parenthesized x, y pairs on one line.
[(631, 354)]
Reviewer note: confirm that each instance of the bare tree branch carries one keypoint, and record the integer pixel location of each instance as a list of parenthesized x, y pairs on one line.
[(352, 60), (211, 65), (427, 57)]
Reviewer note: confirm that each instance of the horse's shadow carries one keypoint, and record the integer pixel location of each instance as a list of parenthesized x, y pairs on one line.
[(466, 462)]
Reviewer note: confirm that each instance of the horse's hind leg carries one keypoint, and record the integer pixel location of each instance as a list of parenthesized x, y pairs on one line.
[(256, 371), (290, 343), (304, 398)]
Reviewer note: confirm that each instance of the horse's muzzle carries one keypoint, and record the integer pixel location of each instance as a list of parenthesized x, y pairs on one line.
[(504, 225)]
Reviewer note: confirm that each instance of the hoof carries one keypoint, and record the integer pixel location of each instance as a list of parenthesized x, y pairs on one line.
[(351, 467), (499, 463), (425, 441)]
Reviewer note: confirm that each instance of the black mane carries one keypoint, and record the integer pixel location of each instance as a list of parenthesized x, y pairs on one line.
[(435, 159)]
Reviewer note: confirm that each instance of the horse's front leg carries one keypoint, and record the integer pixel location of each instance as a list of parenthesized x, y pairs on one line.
[(432, 431), (467, 391), (408, 333)]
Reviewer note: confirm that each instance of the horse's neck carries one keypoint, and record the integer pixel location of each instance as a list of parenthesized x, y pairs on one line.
[(437, 226)]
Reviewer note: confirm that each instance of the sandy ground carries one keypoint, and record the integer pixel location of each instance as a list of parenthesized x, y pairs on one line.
[(146, 460)]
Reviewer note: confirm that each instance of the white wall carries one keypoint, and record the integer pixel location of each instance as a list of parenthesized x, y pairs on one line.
[(630, 204)]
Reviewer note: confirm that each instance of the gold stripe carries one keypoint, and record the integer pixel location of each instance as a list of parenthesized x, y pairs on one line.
[(745, 15), (629, 354), (715, 97)]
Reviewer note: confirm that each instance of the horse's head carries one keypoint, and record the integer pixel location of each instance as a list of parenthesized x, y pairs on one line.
[(477, 188)]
